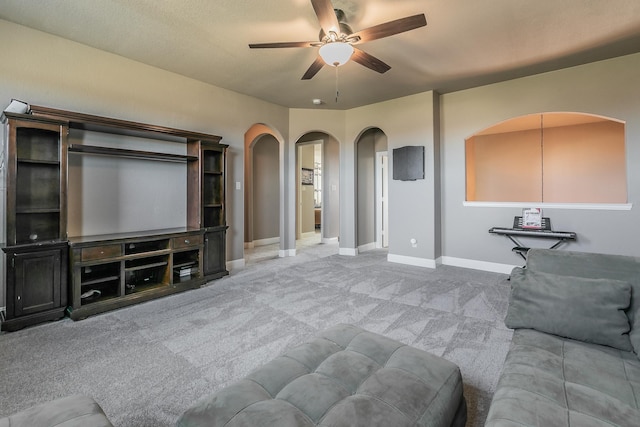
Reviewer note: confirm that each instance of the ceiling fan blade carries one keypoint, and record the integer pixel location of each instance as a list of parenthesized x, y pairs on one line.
[(280, 44), (326, 15), (313, 69), (369, 61), (390, 28)]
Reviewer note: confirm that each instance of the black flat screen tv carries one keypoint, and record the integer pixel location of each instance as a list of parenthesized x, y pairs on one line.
[(408, 163)]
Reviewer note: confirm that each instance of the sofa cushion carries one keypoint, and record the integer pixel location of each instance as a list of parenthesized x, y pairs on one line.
[(590, 310), (70, 411), (344, 377), (592, 265), (554, 381)]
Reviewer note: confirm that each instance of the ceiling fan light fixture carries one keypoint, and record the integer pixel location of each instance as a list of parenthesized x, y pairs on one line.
[(336, 53)]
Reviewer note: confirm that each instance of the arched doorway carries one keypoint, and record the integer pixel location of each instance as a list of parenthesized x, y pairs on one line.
[(264, 183), (371, 190), (317, 189)]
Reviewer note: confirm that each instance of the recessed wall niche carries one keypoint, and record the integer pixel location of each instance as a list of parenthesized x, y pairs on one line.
[(548, 158)]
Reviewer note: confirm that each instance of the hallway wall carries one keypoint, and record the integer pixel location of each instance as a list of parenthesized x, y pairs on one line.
[(266, 190)]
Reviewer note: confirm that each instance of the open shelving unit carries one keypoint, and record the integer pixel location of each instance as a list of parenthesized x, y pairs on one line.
[(38, 171), (111, 271)]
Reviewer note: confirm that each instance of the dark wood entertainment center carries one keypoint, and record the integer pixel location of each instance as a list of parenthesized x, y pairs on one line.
[(49, 274)]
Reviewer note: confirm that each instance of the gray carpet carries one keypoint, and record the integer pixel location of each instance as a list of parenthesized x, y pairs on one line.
[(147, 363)]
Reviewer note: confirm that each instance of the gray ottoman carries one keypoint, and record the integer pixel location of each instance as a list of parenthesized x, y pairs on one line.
[(345, 377), (70, 411)]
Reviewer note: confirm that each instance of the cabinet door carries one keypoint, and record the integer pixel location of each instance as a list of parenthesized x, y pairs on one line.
[(37, 285), (214, 252)]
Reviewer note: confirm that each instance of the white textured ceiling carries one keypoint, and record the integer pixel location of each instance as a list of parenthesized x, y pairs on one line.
[(465, 43)]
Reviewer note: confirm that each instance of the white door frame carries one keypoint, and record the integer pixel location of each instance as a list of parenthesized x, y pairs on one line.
[(382, 199)]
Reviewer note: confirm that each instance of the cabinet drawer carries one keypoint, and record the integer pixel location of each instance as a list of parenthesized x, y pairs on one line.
[(187, 241), (101, 252)]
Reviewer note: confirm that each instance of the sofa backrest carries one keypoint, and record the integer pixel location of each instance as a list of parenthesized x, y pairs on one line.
[(584, 264)]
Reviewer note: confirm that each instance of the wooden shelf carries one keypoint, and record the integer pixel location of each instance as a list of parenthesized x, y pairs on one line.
[(20, 211), (136, 154), (184, 264), (117, 126), (145, 266), (100, 280), (39, 162)]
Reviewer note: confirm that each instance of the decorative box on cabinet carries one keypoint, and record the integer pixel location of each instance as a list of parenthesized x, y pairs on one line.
[(117, 270), (36, 284)]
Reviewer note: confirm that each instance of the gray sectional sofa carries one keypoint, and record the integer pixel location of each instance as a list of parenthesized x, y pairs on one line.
[(573, 360)]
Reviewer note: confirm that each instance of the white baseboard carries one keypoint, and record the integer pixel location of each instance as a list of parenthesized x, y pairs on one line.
[(307, 234), (348, 251), (329, 239), (283, 253), (409, 260), (367, 247), (265, 242), (235, 264), (478, 265), (261, 242)]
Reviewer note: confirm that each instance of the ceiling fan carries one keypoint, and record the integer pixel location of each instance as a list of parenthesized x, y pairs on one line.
[(337, 40)]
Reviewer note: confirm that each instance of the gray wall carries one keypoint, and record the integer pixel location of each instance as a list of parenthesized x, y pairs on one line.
[(412, 204), (370, 142), (266, 189), (366, 207), (108, 194), (609, 88), (331, 188)]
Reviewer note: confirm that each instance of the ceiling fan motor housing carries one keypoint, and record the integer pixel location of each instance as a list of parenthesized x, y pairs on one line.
[(345, 29)]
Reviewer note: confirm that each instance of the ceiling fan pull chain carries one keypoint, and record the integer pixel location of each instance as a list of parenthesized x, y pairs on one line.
[(337, 92)]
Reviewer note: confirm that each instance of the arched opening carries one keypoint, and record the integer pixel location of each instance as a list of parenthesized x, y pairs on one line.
[(263, 224), (371, 190), (317, 189), (548, 158)]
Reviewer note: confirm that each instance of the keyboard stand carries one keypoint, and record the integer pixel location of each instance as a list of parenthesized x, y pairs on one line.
[(544, 232)]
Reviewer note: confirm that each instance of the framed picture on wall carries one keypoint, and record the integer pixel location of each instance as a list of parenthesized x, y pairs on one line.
[(306, 176)]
